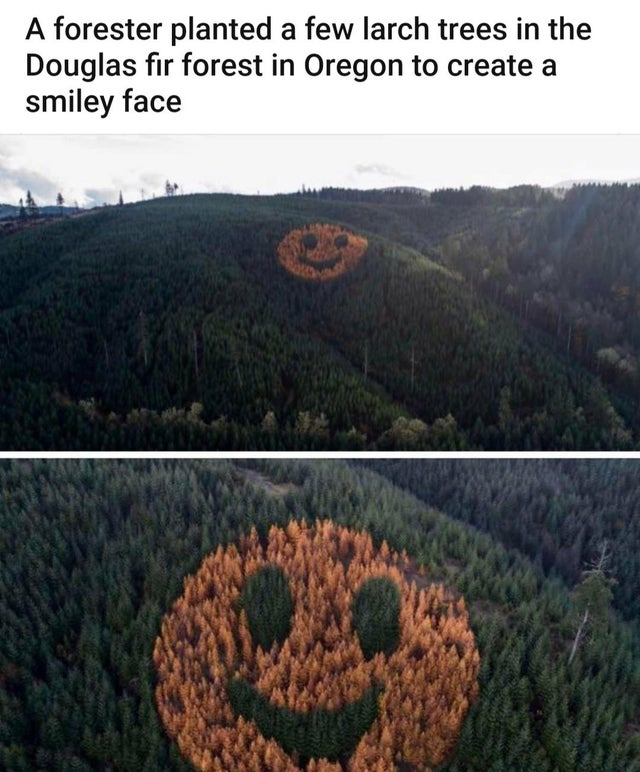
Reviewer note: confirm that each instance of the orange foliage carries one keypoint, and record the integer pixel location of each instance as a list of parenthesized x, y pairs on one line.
[(429, 681), (335, 252)]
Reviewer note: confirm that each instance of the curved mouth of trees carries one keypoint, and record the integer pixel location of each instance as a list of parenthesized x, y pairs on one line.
[(318, 734), (320, 265)]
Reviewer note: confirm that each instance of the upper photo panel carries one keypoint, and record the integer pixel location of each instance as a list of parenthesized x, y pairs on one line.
[(319, 293)]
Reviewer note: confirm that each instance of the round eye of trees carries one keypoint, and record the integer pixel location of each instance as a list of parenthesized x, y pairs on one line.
[(320, 252), (312, 649)]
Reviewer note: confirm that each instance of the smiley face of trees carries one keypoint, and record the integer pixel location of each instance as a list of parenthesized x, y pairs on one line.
[(314, 650), (320, 252)]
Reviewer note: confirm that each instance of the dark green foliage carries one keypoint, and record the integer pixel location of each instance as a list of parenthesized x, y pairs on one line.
[(94, 553), (568, 265), (266, 599), (320, 265), (376, 611), (557, 512), (150, 308), (310, 240), (328, 734)]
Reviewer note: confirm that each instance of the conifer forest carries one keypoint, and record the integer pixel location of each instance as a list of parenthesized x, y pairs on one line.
[(319, 615), (475, 319), (373, 612)]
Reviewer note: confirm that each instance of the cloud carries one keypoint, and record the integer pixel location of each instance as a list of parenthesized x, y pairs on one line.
[(99, 196), (15, 182), (376, 168), (93, 169), (152, 180)]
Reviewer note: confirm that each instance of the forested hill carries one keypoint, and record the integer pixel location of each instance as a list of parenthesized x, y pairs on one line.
[(174, 324), (557, 512), (566, 262), (100, 551)]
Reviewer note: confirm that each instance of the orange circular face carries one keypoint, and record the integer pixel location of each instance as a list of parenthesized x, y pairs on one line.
[(320, 252), (314, 650)]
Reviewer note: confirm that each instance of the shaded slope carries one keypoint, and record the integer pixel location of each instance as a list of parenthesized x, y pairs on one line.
[(163, 304), (557, 512)]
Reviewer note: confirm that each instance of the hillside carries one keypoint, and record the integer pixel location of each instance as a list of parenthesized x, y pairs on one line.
[(100, 552), (172, 324), (567, 265), (559, 524)]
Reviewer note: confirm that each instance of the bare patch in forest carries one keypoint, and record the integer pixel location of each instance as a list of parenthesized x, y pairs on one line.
[(488, 608), (263, 483)]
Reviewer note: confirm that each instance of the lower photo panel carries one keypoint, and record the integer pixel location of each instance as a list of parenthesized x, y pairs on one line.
[(320, 615)]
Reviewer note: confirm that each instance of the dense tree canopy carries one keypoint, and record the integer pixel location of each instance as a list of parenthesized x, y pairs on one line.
[(95, 554), (172, 324), (558, 513)]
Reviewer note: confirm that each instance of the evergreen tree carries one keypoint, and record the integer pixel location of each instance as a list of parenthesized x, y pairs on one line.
[(32, 207)]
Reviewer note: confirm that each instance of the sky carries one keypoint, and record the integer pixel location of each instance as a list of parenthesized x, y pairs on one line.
[(93, 169)]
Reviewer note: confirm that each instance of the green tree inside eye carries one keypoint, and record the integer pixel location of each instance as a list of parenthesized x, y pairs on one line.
[(266, 599), (376, 614), (310, 240)]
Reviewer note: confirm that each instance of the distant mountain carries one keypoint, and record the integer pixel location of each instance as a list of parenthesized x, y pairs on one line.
[(408, 189), (7, 211), (571, 183)]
